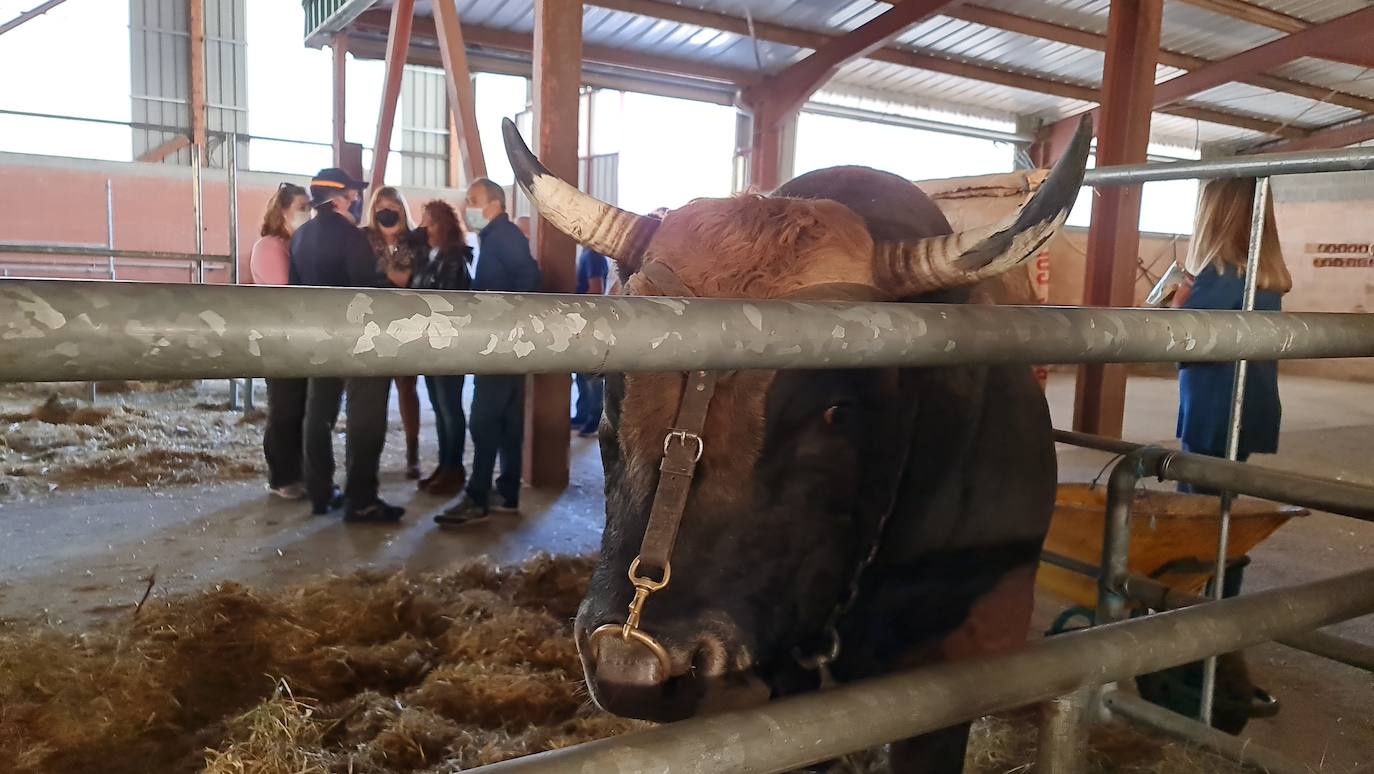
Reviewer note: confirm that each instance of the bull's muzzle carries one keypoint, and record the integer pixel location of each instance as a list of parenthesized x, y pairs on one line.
[(632, 674)]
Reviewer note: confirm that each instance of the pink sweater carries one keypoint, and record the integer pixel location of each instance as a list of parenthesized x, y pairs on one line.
[(271, 261)]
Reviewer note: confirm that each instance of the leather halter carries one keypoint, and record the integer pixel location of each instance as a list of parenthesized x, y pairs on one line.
[(683, 446)]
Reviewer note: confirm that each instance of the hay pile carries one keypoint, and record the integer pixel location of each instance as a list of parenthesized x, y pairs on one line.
[(146, 437), (369, 673)]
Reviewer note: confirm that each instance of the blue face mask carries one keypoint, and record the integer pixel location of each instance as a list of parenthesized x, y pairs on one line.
[(356, 210)]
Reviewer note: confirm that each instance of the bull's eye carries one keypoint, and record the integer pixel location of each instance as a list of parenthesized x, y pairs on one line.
[(838, 414)]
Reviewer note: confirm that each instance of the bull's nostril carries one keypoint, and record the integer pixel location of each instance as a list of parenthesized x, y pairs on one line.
[(711, 659)]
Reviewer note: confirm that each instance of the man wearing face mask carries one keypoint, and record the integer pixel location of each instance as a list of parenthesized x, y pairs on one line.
[(330, 250), (497, 419)]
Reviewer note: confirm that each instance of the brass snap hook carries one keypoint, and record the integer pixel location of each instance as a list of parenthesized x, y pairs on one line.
[(630, 631)]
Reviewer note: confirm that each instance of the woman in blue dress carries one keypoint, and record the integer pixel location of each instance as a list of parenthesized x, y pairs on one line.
[(1216, 268)]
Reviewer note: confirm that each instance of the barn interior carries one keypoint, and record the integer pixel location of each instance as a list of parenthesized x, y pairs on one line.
[(137, 535)]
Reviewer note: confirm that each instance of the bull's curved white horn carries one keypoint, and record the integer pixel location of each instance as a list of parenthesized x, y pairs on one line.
[(609, 230), (975, 254)]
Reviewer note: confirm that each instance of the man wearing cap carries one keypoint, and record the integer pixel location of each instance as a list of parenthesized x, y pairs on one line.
[(331, 251)]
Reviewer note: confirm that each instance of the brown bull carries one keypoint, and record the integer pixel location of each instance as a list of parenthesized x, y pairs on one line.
[(789, 524)]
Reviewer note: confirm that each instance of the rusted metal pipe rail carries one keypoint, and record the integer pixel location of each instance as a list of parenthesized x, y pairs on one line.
[(815, 727), (1323, 494), (105, 252), (69, 331)]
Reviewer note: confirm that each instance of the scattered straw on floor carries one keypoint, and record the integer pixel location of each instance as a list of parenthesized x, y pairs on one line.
[(146, 435), (369, 673)]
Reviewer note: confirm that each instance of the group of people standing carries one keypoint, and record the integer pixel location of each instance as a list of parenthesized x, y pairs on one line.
[(324, 237)]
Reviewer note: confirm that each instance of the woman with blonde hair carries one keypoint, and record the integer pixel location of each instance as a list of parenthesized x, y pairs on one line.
[(401, 256), (270, 264), (1216, 264)]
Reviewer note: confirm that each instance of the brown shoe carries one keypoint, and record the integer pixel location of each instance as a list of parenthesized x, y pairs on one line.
[(448, 483), (424, 483)]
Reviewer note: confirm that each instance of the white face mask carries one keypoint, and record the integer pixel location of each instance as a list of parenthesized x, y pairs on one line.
[(475, 219), (297, 220)]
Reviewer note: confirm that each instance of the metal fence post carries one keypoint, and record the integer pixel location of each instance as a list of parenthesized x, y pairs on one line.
[(1258, 214), (1063, 734), (109, 223), (231, 171), (197, 206)]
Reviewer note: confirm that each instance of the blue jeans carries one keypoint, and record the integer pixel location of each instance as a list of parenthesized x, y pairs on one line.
[(446, 396), (590, 393), (498, 430)]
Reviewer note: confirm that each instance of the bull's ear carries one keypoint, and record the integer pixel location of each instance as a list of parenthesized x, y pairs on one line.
[(611, 231), (975, 254)]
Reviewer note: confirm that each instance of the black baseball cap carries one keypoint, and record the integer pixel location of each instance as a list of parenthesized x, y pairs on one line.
[(331, 179)]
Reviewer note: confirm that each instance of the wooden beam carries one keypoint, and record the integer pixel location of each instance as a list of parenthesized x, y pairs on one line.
[(557, 99), (1248, 12), (338, 47), (791, 87), (195, 24), (1356, 56), (32, 13), (1024, 25), (910, 57), (776, 99), (165, 149), (511, 41), (1264, 57), (461, 102), (397, 48), (1123, 136), (1335, 136), (506, 40)]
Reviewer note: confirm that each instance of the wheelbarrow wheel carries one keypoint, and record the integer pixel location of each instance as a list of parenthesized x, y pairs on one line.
[(1234, 701), (1235, 698)]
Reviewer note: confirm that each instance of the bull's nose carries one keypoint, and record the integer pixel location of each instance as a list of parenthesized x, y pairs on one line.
[(627, 662)]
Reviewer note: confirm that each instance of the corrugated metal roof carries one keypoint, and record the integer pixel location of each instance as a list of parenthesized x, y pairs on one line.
[(1187, 29)]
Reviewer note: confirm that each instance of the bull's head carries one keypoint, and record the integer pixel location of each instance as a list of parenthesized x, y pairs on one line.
[(798, 468)]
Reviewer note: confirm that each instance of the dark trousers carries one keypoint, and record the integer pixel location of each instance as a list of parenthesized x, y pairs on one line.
[(446, 396), (589, 398), (498, 429), (366, 412), (281, 439)]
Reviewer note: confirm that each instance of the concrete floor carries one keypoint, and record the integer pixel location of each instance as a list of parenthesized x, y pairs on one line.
[(73, 556)]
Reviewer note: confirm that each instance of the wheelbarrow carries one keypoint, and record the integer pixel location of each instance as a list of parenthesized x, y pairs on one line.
[(1174, 541), (1173, 537)]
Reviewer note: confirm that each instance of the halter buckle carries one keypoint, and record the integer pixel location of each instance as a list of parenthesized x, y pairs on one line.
[(682, 436)]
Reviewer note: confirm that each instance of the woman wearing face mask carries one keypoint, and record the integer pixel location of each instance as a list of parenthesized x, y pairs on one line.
[(400, 256), (270, 264), (447, 269)]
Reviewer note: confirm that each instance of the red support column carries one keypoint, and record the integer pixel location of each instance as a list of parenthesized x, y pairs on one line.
[(339, 48), (462, 107), (557, 90), (1123, 136), (397, 47)]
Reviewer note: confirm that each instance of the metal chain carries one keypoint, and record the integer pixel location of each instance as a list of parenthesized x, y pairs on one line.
[(820, 662)]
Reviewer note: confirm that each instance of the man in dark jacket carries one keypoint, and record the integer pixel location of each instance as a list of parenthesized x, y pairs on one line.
[(331, 251), (593, 271), (497, 419)]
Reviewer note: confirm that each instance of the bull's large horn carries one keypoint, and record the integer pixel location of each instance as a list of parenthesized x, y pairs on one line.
[(611, 231), (911, 268)]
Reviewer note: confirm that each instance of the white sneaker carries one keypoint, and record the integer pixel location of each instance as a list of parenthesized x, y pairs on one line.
[(294, 491)]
